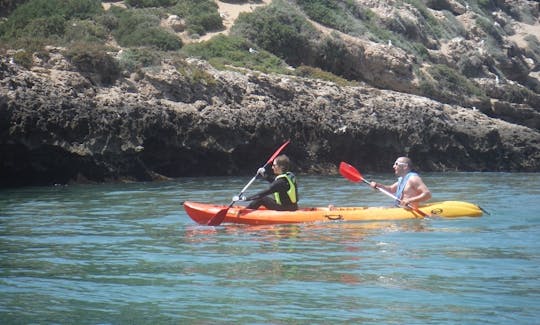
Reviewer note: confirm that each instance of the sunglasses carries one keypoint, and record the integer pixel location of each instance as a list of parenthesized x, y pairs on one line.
[(397, 163)]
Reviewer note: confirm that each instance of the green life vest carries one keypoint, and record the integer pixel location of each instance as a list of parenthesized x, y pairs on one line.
[(291, 193)]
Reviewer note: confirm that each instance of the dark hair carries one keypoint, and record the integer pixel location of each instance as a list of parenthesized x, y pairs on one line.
[(284, 162)]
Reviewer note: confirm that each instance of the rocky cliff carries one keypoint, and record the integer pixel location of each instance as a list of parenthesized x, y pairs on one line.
[(56, 126), (60, 123)]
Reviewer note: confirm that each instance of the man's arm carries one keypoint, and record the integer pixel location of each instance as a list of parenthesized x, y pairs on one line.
[(419, 191), (391, 188)]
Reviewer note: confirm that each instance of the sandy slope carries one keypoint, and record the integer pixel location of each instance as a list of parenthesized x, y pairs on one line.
[(523, 30), (229, 12)]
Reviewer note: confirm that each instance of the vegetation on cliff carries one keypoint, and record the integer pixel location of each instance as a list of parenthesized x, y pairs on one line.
[(283, 34)]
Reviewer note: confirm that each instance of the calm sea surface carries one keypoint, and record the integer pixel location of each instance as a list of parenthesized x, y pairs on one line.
[(128, 254)]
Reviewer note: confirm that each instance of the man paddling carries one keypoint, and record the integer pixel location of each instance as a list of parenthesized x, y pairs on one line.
[(409, 188), (283, 186)]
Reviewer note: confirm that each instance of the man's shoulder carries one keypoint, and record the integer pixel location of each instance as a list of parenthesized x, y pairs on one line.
[(414, 176)]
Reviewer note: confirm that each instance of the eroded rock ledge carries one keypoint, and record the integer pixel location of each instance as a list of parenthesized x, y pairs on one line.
[(58, 127)]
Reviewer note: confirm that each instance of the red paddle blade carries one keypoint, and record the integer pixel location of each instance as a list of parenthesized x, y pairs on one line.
[(349, 172), (277, 152), (218, 218)]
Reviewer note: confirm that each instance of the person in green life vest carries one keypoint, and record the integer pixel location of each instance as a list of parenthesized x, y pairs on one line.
[(410, 187), (282, 193)]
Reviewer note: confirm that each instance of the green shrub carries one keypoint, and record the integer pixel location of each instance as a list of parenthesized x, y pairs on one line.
[(108, 20), (46, 27), (487, 5), (431, 23), (150, 3), (7, 6), (232, 50), (238, 1), (452, 26), (137, 58), (518, 94), (533, 49), (280, 29), (159, 38), (141, 28), (194, 74), (128, 21), (93, 62), (449, 85), (23, 58), (84, 31), (335, 57), (81, 9), (316, 73), (204, 22), (46, 18), (328, 13), (201, 15), (487, 26), (29, 44)]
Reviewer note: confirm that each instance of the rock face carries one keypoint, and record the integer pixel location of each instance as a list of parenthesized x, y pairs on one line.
[(58, 127), (494, 50), (59, 123)]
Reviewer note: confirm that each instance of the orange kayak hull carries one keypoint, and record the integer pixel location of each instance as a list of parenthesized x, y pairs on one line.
[(201, 213)]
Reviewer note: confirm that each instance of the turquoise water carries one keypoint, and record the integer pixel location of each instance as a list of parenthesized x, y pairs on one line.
[(127, 253)]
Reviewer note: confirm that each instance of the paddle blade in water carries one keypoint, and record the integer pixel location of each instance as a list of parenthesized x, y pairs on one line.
[(218, 218)]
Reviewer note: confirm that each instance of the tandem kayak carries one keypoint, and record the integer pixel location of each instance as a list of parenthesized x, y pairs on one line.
[(203, 212)]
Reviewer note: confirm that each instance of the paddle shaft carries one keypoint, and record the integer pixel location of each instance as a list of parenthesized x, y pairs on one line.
[(248, 184), (246, 187), (382, 190), (266, 164), (408, 205)]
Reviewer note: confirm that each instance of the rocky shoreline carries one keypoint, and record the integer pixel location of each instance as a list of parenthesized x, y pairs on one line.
[(59, 127)]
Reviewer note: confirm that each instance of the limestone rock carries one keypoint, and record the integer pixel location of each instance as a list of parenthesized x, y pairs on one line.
[(56, 128)]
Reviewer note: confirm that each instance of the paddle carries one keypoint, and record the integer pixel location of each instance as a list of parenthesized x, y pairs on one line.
[(220, 216), (352, 174)]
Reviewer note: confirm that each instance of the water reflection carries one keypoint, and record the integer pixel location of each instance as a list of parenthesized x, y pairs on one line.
[(320, 252), (321, 232)]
